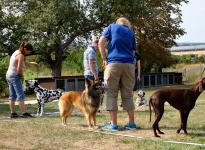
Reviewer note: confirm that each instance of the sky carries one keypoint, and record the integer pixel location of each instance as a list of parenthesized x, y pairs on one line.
[(193, 17)]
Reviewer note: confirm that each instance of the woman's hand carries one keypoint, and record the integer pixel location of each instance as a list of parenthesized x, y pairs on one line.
[(32, 64)]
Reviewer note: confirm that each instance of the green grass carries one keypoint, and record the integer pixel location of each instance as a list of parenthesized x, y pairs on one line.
[(47, 133)]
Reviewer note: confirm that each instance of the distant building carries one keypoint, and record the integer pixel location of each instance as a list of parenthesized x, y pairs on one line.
[(187, 49)]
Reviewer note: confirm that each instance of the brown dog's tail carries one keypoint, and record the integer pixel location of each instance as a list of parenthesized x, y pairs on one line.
[(150, 110)]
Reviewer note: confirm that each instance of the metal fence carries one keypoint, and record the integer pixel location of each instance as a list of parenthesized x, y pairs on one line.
[(68, 83), (161, 79)]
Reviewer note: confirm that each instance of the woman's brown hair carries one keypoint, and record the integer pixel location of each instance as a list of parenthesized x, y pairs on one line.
[(26, 45)]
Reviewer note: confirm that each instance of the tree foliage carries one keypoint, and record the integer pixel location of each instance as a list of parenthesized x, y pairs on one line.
[(55, 26), (3, 83), (12, 30)]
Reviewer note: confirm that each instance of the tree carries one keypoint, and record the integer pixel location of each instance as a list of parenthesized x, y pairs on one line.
[(157, 24), (55, 26), (11, 31)]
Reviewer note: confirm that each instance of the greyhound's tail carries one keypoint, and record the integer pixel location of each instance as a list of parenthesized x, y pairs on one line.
[(150, 110)]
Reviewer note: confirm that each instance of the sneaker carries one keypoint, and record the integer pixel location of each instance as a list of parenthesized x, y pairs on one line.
[(131, 126), (26, 115), (110, 127), (14, 115)]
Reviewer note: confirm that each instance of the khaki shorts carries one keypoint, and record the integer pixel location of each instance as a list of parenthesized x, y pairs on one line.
[(119, 76)]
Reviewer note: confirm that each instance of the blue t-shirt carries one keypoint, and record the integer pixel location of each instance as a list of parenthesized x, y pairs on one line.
[(90, 53), (121, 43)]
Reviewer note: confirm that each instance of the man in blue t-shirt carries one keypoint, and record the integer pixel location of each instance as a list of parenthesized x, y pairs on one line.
[(119, 70), (90, 62)]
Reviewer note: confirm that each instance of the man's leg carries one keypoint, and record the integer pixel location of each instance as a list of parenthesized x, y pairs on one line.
[(113, 116), (131, 116), (127, 84)]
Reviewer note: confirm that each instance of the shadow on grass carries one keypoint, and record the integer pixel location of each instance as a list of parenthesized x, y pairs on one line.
[(195, 132), (31, 108)]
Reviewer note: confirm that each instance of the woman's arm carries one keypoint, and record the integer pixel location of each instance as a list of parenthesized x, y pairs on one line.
[(102, 45), (31, 64), (92, 68)]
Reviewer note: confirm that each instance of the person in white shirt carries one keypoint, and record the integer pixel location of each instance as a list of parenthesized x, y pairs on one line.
[(14, 77)]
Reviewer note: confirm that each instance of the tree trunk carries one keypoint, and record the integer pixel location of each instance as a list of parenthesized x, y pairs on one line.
[(56, 66), (56, 69)]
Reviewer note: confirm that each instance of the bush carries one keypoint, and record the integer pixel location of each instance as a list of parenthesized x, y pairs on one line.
[(73, 64), (189, 59), (3, 69)]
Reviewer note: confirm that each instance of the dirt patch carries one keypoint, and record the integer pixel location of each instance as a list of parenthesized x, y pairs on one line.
[(104, 144)]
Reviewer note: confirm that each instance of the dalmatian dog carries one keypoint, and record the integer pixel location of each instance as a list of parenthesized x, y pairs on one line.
[(141, 100), (43, 95)]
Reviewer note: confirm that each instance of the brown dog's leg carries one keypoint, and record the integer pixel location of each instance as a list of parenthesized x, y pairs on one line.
[(64, 117), (185, 122), (94, 118), (88, 119), (159, 110), (181, 125), (160, 132), (65, 113), (184, 117), (63, 120)]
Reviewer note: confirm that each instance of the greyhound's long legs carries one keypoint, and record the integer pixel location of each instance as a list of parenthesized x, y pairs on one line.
[(159, 110), (184, 117), (181, 125)]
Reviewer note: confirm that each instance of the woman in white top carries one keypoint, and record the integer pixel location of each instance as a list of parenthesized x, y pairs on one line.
[(14, 77)]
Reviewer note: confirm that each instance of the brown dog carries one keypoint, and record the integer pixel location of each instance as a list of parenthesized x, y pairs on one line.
[(87, 101), (181, 99)]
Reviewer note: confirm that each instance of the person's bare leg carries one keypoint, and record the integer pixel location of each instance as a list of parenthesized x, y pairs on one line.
[(12, 106), (22, 106), (113, 116), (131, 116)]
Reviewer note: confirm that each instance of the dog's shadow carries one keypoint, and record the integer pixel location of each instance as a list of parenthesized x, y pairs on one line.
[(193, 132)]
